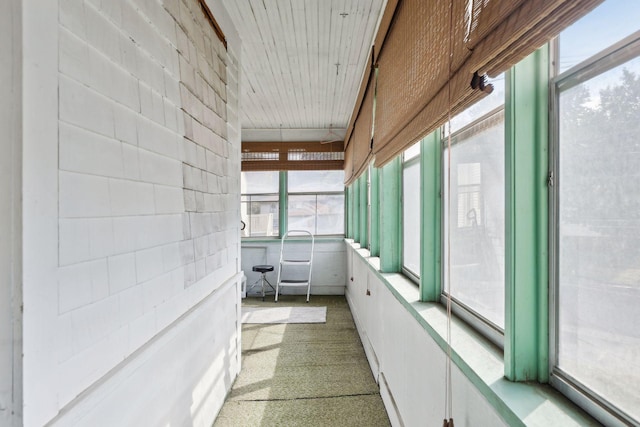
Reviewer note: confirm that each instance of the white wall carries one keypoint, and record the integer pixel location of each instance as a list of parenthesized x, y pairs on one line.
[(131, 213), (10, 210), (329, 267), (407, 363)]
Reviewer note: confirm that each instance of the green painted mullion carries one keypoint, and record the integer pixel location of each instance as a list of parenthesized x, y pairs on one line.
[(526, 346), (356, 210), (390, 216), (283, 219), (348, 224), (364, 238), (430, 213), (375, 212)]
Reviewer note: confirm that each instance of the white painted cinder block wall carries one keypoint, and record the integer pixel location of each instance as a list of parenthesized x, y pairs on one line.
[(131, 166), (329, 266)]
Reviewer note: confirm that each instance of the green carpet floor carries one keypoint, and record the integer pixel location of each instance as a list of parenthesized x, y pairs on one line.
[(304, 374)]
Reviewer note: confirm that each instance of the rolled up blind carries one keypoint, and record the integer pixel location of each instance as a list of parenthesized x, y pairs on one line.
[(433, 48)]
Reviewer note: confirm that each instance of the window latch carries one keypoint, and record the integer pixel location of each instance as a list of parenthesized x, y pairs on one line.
[(550, 179)]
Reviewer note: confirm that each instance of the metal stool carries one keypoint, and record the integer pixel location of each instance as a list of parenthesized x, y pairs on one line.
[(263, 270)]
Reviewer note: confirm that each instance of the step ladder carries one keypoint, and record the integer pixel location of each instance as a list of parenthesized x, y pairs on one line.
[(296, 252)]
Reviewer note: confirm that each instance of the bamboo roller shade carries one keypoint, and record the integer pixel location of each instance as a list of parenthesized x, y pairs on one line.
[(360, 139), (427, 44)]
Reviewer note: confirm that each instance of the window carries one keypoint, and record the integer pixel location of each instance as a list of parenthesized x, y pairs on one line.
[(316, 201), (596, 343), (474, 222), (411, 211), (259, 204)]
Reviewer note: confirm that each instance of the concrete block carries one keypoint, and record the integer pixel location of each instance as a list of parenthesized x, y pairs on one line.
[(72, 16), (131, 305), (101, 242), (88, 152), (74, 55), (92, 323), (128, 53), (148, 264), (189, 274), (83, 196), (171, 257), (160, 169), (82, 284), (85, 108), (130, 161), (126, 123), (170, 115), (131, 197), (172, 87), (187, 252), (149, 70), (200, 205), (74, 241), (169, 199), (189, 200), (189, 152), (156, 291), (101, 33), (201, 269), (126, 234), (201, 247), (157, 138), (122, 272)]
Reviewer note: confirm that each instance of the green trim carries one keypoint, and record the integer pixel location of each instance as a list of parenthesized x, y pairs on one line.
[(375, 212), (390, 216), (430, 213), (356, 210), (526, 347), (348, 223), (364, 238), (284, 204)]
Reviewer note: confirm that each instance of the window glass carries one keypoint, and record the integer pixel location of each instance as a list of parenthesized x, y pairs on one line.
[(481, 108), (316, 201), (599, 235), (315, 181), (411, 213), (411, 152), (607, 24), (259, 205), (474, 218)]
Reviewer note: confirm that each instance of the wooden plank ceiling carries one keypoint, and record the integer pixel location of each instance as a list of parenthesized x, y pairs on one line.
[(301, 62)]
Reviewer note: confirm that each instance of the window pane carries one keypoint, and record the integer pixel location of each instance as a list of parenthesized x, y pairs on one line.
[(259, 182), (412, 151), (259, 209), (260, 215), (599, 235), (474, 218), (607, 24), (330, 218), (315, 181), (318, 214), (482, 107), (411, 217)]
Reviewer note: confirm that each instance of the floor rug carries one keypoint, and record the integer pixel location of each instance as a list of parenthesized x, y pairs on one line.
[(284, 314)]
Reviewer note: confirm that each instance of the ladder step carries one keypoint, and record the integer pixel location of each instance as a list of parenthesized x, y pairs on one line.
[(294, 282), (295, 262)]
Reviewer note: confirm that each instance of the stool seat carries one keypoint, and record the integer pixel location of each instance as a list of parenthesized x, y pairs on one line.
[(262, 268)]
